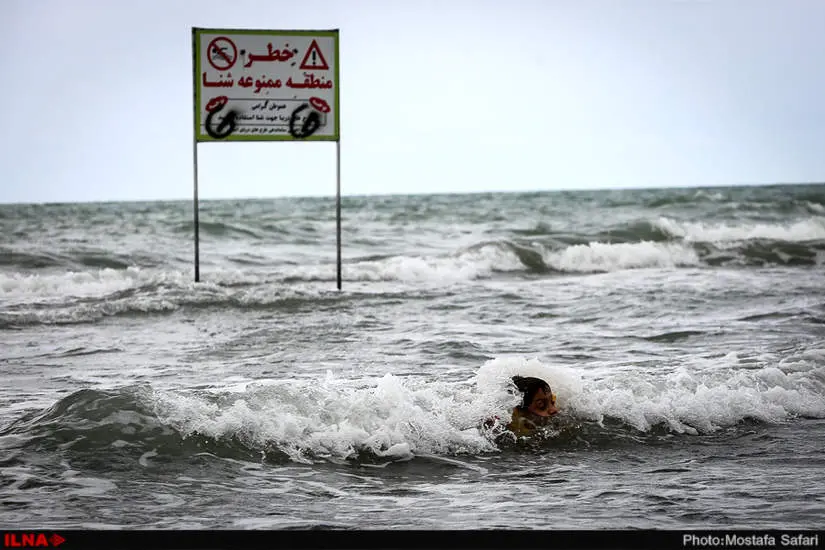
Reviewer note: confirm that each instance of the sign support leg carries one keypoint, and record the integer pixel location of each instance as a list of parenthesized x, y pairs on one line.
[(338, 205), (197, 227)]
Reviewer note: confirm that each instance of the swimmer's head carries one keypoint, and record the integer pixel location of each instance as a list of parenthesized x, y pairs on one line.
[(537, 398)]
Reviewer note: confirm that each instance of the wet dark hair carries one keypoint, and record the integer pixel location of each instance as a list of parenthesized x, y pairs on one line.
[(530, 386)]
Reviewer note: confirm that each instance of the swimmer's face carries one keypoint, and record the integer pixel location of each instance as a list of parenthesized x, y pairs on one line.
[(544, 404)]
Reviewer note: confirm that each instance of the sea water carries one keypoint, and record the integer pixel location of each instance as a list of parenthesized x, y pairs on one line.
[(682, 330)]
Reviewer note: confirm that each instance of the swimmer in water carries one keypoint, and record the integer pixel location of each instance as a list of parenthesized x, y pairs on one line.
[(538, 405)]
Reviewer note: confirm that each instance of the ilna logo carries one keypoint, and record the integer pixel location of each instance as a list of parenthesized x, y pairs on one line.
[(32, 540)]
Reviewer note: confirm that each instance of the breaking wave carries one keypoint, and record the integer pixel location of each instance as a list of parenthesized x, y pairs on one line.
[(392, 418), (88, 295), (807, 230)]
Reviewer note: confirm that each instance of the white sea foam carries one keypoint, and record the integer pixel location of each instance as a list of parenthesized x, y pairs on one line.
[(714, 196), (598, 256), (483, 261), (815, 207), (685, 400), (810, 229), (73, 293), (16, 287), (87, 296), (464, 265), (397, 418), (61, 287), (335, 418)]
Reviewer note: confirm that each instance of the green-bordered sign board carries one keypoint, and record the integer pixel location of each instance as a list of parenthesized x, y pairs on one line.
[(266, 85)]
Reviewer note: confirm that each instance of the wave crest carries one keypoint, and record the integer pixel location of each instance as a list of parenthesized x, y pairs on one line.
[(392, 418), (811, 229)]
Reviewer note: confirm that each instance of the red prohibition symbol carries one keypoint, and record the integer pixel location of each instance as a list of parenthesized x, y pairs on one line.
[(222, 53), (216, 103), (319, 104)]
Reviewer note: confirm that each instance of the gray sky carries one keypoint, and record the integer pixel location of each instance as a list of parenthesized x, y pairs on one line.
[(436, 96)]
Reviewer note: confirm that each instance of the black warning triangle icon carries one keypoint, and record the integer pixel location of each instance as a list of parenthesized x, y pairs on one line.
[(314, 59)]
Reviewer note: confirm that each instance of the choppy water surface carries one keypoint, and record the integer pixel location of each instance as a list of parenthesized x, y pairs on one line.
[(683, 331)]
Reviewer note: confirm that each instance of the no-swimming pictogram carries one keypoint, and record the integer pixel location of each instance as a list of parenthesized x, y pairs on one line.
[(222, 53)]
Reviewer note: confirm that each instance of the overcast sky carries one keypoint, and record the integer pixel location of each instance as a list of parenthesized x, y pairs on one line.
[(436, 96)]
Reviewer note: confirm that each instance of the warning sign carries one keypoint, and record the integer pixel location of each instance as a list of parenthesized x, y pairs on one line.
[(266, 85), (314, 59)]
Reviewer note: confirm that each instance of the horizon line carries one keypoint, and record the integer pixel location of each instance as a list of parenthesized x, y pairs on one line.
[(417, 194)]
